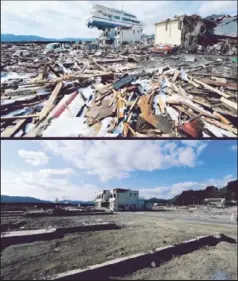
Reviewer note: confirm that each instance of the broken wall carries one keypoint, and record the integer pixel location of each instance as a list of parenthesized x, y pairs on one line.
[(194, 28)]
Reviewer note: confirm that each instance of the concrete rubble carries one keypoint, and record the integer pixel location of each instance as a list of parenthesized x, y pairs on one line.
[(99, 91)]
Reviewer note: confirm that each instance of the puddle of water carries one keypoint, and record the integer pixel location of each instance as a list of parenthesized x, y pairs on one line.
[(219, 275)]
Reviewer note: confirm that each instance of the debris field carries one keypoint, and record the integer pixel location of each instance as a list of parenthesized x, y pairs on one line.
[(128, 92)]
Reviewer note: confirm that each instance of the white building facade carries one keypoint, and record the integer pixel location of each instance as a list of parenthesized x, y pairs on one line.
[(120, 199), (124, 199), (169, 32)]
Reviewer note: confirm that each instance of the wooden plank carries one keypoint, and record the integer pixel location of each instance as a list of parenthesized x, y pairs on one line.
[(221, 125), (49, 104), (176, 74), (181, 108), (133, 105), (182, 91), (161, 104), (193, 83), (19, 117), (10, 131), (222, 118), (102, 68), (229, 102), (220, 93), (43, 74)]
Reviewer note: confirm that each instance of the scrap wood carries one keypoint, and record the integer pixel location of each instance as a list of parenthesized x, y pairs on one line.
[(101, 67), (193, 107), (193, 83), (161, 104), (217, 76), (182, 92), (203, 103), (134, 133), (10, 131), (203, 66), (229, 103), (22, 91), (176, 74), (125, 129), (151, 131), (174, 87), (222, 118), (133, 105), (9, 118), (101, 88), (43, 74), (227, 85), (182, 109), (210, 88), (120, 109), (146, 111), (114, 98), (50, 102), (103, 96), (222, 126)]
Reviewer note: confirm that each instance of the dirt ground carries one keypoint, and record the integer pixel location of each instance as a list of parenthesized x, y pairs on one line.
[(210, 263), (138, 233)]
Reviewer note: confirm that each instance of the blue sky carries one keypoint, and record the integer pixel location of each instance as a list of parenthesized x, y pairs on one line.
[(78, 169), (68, 18)]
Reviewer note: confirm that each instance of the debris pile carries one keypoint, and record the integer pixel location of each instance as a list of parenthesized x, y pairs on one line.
[(116, 93)]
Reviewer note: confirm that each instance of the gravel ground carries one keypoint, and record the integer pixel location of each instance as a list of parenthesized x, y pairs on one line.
[(138, 233)]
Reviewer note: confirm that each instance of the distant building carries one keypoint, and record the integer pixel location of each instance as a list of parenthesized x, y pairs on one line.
[(215, 201), (121, 199), (124, 199), (148, 39)]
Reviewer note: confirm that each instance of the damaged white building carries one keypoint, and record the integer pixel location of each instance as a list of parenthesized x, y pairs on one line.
[(121, 199), (181, 31)]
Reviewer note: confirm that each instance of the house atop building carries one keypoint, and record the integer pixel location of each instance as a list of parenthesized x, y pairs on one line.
[(117, 26)]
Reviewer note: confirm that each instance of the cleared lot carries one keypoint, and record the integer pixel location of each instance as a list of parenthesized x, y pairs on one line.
[(210, 263), (139, 232)]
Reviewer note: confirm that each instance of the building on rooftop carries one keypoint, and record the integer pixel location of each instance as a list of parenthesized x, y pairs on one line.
[(117, 26)]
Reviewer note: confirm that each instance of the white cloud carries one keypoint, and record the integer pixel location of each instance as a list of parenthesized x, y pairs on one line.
[(35, 158), (169, 192), (68, 18), (45, 184), (217, 7), (57, 183), (234, 148), (117, 159)]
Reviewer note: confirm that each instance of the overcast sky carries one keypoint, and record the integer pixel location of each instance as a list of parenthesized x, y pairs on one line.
[(68, 18), (77, 169)]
